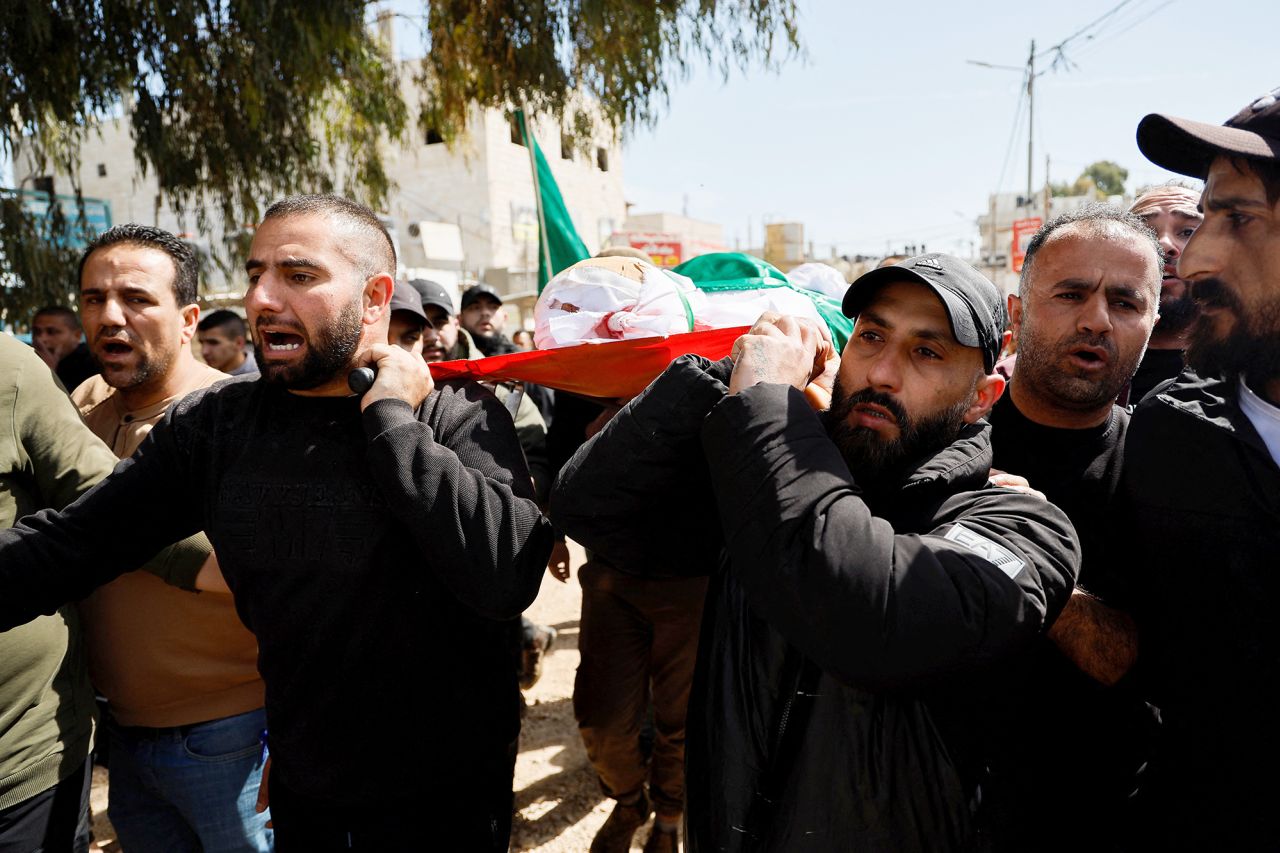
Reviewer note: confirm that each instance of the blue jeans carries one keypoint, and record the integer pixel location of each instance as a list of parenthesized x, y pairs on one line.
[(189, 788)]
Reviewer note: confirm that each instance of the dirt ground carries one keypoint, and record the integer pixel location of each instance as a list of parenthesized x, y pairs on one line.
[(559, 806)]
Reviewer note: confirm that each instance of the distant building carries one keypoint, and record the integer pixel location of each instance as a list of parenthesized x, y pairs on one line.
[(458, 215), (669, 239), (1009, 214)]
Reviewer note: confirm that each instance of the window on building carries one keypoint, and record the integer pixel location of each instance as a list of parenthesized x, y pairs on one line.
[(433, 136), (102, 170), (602, 159), (42, 184), (566, 146), (515, 130)]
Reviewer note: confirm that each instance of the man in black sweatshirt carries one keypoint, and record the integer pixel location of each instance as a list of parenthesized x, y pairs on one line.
[(354, 532)]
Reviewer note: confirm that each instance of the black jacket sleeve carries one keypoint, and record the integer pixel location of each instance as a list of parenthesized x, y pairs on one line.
[(876, 609), (638, 493), (460, 483), (51, 558)]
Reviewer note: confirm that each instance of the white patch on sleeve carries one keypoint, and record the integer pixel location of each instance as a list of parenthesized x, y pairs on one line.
[(993, 552)]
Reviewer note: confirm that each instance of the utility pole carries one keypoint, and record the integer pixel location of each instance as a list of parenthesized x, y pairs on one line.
[(1031, 113)]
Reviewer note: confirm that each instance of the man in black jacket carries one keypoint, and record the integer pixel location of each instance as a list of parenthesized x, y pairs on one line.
[(1201, 490), (354, 533), (869, 577)]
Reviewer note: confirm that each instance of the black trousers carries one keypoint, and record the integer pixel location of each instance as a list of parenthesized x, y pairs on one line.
[(464, 807), (54, 821)]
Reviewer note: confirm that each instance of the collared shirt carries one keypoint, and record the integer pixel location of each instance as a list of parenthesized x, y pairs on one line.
[(1264, 417)]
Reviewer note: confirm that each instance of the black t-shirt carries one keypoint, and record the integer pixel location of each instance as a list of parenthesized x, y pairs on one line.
[(1067, 749), (1077, 469), (1158, 365)]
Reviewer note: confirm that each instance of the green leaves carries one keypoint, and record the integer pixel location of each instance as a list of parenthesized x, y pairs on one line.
[(235, 103)]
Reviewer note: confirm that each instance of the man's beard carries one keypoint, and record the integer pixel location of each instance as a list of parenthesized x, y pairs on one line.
[(1252, 347), (146, 368), (1177, 315), (494, 343), (1040, 366), (869, 455), (328, 354)]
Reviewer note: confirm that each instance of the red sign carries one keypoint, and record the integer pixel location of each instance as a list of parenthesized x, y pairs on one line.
[(1023, 230), (666, 250)]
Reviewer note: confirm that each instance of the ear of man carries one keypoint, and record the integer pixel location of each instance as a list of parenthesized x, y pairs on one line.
[(377, 299), (985, 395), (190, 318)]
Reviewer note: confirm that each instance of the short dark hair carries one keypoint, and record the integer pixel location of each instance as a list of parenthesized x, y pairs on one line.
[(381, 254), (1268, 171), (71, 318), (185, 264), (1093, 215), (223, 319)]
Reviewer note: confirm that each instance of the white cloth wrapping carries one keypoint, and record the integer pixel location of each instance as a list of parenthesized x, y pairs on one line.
[(591, 304), (586, 303)]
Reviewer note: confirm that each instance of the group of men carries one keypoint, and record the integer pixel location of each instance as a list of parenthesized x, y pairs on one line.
[(941, 608)]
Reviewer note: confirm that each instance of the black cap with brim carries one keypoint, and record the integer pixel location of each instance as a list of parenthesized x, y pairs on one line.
[(475, 291), (1188, 147), (406, 298), (973, 304), (433, 293)]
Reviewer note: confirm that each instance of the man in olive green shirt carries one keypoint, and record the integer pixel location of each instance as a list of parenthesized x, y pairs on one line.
[(48, 458)]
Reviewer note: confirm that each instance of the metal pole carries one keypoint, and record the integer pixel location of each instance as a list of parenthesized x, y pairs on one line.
[(1031, 113)]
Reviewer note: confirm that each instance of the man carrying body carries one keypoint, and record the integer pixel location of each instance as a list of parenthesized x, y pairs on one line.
[(353, 532), (222, 343), (59, 341), (1201, 490), (178, 668), (1085, 307), (1170, 211), (870, 574)]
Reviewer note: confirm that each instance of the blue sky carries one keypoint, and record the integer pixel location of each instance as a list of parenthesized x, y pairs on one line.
[(883, 133)]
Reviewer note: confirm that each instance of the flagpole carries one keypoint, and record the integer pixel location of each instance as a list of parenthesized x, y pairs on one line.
[(544, 245)]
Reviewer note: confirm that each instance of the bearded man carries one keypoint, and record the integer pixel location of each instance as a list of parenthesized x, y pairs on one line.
[(353, 532), (868, 574), (1201, 492)]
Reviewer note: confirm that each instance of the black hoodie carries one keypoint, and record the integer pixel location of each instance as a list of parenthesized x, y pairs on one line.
[(844, 634)]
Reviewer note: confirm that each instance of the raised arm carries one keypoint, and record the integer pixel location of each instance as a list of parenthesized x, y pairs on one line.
[(51, 558), (875, 608), (638, 493)]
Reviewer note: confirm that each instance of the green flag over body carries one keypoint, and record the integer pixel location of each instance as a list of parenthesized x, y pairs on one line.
[(559, 245)]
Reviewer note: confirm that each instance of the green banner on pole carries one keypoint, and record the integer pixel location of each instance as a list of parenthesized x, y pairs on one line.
[(559, 245)]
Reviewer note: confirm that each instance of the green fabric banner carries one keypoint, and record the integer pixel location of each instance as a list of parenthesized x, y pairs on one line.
[(559, 245)]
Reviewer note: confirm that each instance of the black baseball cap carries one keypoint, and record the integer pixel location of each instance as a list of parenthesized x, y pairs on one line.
[(1188, 147), (405, 298), (973, 304), (475, 291), (432, 294)]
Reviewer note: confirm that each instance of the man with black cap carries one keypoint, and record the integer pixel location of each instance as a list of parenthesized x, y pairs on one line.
[(1200, 498), (483, 316), (408, 320), (869, 576)]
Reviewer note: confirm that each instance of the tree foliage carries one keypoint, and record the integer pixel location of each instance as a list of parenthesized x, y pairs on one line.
[(232, 103), (1100, 179)]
